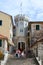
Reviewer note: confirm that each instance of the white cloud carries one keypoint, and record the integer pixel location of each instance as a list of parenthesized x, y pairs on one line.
[(32, 8), (37, 3), (40, 16)]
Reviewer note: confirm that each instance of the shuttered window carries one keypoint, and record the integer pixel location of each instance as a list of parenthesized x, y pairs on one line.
[(37, 27), (0, 43), (0, 22)]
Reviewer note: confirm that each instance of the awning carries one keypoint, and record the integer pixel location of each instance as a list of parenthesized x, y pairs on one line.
[(4, 37)]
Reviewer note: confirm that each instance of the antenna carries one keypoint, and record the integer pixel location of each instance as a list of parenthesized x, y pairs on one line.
[(21, 8)]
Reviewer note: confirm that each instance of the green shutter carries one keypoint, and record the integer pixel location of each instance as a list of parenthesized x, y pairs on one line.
[(0, 22), (0, 43), (37, 27)]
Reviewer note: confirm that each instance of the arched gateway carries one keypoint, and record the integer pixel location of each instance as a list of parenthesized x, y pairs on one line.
[(21, 46)]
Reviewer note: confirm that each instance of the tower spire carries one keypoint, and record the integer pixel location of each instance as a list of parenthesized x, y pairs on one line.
[(21, 8)]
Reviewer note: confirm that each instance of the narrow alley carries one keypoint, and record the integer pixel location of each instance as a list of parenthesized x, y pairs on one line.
[(27, 61)]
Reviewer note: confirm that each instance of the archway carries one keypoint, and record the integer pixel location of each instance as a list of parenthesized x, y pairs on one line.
[(21, 46)]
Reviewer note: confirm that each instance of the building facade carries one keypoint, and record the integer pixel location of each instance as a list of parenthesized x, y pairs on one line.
[(6, 26), (36, 40), (36, 31), (20, 37)]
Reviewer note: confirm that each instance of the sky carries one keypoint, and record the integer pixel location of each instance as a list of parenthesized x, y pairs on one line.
[(31, 8)]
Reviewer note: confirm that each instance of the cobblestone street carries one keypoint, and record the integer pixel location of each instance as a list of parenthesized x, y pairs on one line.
[(28, 61)]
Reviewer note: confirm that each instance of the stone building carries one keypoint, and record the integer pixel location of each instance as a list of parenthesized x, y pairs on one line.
[(6, 28), (36, 39), (20, 32)]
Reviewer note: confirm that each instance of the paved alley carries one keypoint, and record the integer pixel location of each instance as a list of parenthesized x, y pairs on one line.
[(28, 61)]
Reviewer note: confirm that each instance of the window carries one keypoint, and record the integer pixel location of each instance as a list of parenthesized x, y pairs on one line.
[(28, 33), (21, 30), (0, 22), (0, 43), (17, 24), (25, 24), (37, 27)]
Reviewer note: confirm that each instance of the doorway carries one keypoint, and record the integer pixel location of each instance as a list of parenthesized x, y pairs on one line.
[(21, 46)]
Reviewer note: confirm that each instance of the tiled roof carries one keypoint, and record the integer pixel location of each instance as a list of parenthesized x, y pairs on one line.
[(5, 13), (3, 37)]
